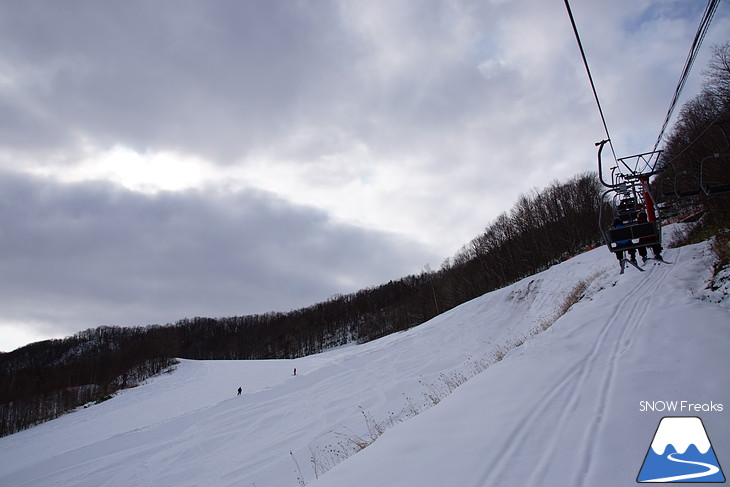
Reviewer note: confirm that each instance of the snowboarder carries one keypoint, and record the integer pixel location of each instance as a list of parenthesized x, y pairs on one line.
[(240, 389)]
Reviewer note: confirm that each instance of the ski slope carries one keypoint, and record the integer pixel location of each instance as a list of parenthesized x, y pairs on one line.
[(560, 407)]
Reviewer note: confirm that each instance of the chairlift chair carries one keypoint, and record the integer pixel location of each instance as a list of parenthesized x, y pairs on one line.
[(686, 184), (627, 197), (714, 177)]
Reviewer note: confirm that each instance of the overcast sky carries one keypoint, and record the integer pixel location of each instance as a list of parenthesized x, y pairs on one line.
[(169, 159)]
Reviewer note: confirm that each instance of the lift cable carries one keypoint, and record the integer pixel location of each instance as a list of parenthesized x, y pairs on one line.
[(694, 50), (590, 78), (689, 144)]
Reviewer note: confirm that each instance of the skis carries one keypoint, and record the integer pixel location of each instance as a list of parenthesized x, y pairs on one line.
[(632, 262), (657, 261)]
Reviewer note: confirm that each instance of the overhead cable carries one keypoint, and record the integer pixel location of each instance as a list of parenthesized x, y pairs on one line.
[(694, 50), (590, 78)]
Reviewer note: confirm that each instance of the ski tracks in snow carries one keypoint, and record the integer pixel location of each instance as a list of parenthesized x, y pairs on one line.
[(586, 385), (619, 331)]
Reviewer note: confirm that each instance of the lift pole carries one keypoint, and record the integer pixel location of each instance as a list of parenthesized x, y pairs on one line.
[(648, 200)]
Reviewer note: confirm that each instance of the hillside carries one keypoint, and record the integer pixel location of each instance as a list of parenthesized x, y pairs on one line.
[(554, 407), (46, 379)]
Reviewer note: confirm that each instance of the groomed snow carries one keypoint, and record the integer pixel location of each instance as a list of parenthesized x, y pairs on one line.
[(563, 408)]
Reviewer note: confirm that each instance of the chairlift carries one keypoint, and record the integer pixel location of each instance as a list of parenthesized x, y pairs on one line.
[(686, 183), (714, 171), (683, 184), (640, 167), (709, 177), (709, 186), (628, 218)]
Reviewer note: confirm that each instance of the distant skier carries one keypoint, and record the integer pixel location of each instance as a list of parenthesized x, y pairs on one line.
[(295, 371), (240, 390)]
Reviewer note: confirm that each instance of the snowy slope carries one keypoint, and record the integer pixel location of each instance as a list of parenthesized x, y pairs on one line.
[(564, 408)]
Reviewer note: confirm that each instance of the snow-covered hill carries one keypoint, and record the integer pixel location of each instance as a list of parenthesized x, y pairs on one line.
[(571, 404)]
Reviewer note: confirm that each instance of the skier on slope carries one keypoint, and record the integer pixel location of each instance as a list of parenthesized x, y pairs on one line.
[(240, 389)]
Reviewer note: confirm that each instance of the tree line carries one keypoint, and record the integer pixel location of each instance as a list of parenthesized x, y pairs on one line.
[(696, 154)]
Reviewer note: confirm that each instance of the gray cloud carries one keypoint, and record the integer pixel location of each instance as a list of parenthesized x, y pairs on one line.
[(208, 77), (222, 78), (445, 111), (225, 79), (87, 254)]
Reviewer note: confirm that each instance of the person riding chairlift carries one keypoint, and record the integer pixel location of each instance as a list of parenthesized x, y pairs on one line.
[(656, 248), (618, 223)]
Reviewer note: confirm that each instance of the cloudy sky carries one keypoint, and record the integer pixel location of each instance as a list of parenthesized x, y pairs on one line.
[(170, 159)]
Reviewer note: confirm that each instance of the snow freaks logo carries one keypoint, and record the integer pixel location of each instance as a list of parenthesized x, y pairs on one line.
[(680, 452)]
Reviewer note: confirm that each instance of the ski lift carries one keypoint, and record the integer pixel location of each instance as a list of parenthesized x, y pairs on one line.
[(710, 185), (676, 183), (713, 169), (686, 184), (626, 228), (709, 177), (630, 232), (628, 218)]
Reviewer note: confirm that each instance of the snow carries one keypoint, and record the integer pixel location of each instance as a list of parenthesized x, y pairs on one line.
[(561, 406)]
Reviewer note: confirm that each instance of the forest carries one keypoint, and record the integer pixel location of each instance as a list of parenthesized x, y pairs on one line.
[(694, 163), (43, 380)]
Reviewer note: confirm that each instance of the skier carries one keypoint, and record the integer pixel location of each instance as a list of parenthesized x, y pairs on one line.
[(656, 248), (240, 389), (618, 223), (295, 371)]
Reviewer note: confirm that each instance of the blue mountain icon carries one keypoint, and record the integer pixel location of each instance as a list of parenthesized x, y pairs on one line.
[(680, 452)]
